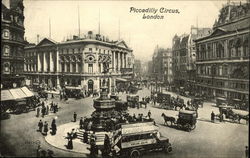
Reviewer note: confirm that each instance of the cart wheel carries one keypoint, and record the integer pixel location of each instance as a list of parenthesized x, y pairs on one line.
[(193, 127), (134, 154), (179, 126), (167, 123), (168, 149), (188, 127)]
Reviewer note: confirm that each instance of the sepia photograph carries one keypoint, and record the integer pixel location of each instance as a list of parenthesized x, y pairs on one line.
[(125, 79)]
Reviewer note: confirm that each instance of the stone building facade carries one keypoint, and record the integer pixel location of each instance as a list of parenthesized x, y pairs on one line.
[(223, 57), (162, 65), (184, 57), (79, 62), (12, 46)]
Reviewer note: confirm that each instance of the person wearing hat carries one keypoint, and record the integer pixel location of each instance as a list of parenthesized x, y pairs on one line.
[(74, 116), (45, 128), (81, 123), (53, 127), (40, 125)]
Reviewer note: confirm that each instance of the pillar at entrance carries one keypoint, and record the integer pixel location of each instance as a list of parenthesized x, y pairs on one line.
[(39, 67), (58, 67), (119, 61), (114, 61), (45, 66), (51, 62)]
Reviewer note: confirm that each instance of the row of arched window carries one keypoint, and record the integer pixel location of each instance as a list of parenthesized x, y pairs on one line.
[(235, 48)]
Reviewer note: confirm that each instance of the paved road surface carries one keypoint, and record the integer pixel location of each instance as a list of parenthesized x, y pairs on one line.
[(208, 139)]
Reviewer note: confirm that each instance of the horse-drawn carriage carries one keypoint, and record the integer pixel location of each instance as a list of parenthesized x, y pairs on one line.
[(220, 101), (165, 101), (197, 102), (186, 120), (133, 101), (233, 114)]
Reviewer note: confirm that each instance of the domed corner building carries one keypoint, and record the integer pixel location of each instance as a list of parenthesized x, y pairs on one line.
[(13, 90)]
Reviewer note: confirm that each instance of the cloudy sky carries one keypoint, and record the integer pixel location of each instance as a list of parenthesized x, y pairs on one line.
[(142, 35)]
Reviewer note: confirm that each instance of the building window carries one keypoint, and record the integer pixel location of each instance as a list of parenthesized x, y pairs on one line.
[(62, 67), (246, 48), (238, 48), (6, 50), (220, 70), (90, 68), (74, 67), (100, 69), (68, 67), (6, 67), (6, 33), (90, 49)]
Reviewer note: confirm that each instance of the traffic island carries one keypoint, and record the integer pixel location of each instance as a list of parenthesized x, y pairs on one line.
[(60, 141)]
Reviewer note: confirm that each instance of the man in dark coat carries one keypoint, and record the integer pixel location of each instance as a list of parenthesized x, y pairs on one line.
[(53, 127), (70, 141), (85, 137), (212, 116), (74, 116), (149, 114), (81, 123), (107, 146), (43, 111), (45, 128), (40, 125), (37, 112)]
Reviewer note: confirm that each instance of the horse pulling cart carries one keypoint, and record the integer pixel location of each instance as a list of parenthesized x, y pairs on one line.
[(233, 114), (186, 120)]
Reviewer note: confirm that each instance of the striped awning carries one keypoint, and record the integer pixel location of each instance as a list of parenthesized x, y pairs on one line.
[(15, 93), (27, 92), (6, 95)]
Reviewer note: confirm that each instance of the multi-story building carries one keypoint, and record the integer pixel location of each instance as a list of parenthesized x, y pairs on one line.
[(223, 56), (167, 66), (184, 55), (137, 69), (162, 65), (79, 62), (12, 46), (150, 70)]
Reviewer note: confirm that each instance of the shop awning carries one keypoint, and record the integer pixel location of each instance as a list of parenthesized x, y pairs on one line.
[(121, 79), (6, 95), (15, 93), (52, 92), (27, 92), (71, 87)]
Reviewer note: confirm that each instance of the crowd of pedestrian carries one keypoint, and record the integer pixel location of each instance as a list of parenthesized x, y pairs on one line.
[(43, 127), (44, 108)]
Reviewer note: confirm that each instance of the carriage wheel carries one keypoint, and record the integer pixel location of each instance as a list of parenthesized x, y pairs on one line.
[(135, 154), (188, 127), (193, 127), (167, 123), (179, 126)]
